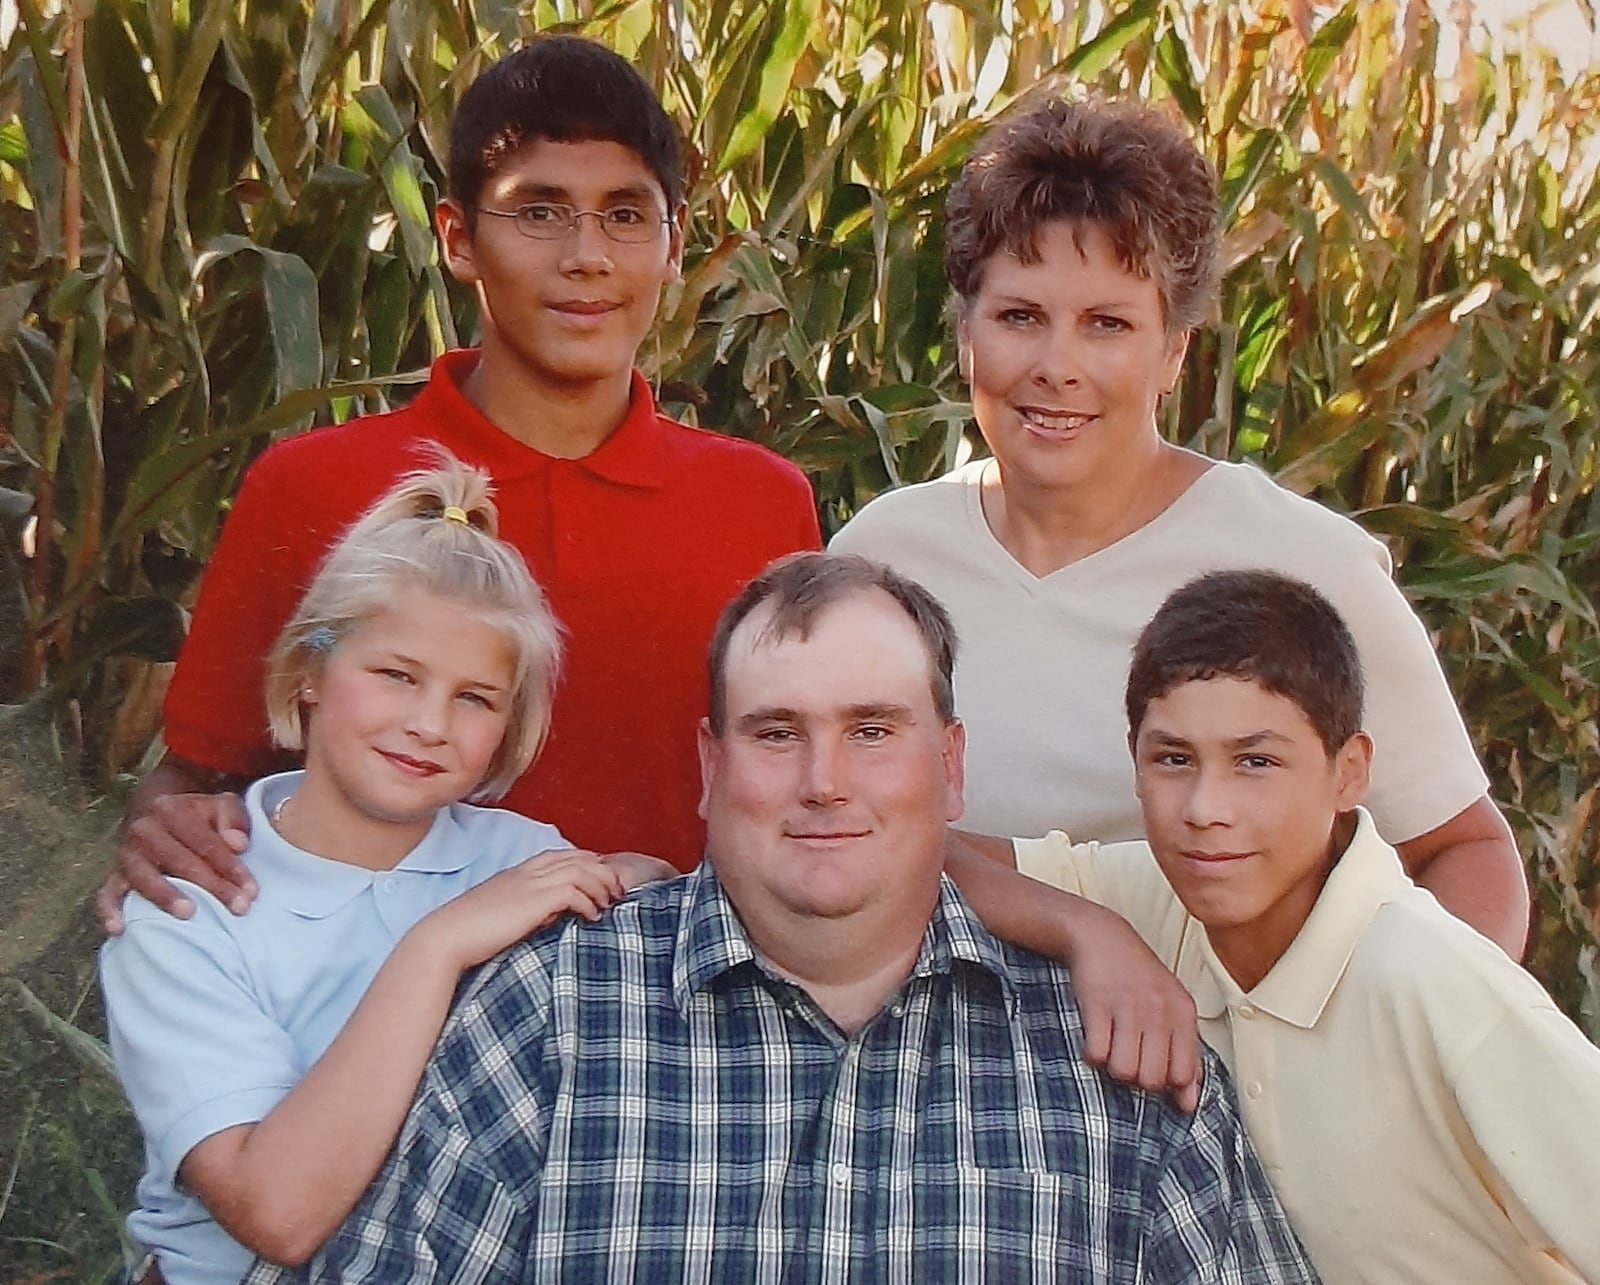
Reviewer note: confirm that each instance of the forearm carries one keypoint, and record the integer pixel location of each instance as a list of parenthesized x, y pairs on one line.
[(301, 1170), (1024, 911)]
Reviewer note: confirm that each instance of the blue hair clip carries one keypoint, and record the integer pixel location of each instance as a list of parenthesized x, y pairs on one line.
[(321, 638)]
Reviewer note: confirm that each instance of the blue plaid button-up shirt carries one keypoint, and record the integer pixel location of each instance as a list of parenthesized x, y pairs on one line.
[(642, 1099)]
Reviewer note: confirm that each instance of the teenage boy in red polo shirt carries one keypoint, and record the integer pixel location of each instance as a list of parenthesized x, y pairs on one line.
[(566, 218)]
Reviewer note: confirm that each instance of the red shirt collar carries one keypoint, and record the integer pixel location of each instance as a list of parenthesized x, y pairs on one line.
[(635, 454)]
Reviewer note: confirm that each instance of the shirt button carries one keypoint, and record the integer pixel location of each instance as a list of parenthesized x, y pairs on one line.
[(1247, 1011), (391, 886), (1253, 1089), (899, 1010), (841, 1175)]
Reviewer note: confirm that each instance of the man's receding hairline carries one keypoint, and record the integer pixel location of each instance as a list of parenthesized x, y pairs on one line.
[(763, 619)]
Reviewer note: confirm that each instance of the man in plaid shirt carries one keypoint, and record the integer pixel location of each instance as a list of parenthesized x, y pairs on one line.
[(807, 1061)]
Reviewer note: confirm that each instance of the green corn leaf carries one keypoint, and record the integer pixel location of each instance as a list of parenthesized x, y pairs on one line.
[(1090, 59), (777, 74)]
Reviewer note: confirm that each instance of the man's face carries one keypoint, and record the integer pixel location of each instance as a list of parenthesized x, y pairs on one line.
[(574, 310), (1240, 798), (829, 791)]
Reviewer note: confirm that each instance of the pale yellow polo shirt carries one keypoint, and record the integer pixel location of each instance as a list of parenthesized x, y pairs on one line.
[(1425, 1112)]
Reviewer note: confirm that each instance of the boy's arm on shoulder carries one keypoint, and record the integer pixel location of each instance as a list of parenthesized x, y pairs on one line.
[(1033, 892), (1139, 1022), (183, 821)]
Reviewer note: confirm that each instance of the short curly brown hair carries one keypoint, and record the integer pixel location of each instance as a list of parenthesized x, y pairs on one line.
[(1122, 166)]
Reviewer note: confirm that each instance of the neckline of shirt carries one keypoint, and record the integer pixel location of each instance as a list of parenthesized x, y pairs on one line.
[(635, 454), (971, 478)]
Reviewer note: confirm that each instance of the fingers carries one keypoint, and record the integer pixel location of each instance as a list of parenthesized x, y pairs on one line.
[(1147, 1038), (636, 868), (1184, 1066), (1096, 1032), (573, 880), (197, 837), (143, 852), (108, 904), (233, 826), (1126, 1060), (216, 829)]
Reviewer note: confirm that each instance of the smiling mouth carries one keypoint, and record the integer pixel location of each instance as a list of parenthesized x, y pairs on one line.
[(586, 307), (1214, 859), (1054, 422), (412, 766), (827, 836)]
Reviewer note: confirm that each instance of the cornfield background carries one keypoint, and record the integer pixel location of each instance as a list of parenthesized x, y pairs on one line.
[(214, 230)]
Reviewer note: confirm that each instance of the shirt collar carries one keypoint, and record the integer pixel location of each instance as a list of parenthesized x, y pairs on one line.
[(315, 887), (636, 454), (955, 935), (712, 941), (1298, 988)]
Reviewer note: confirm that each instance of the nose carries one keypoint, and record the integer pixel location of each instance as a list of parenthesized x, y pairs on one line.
[(428, 717), (1058, 362), (823, 780), (587, 247), (1208, 801)]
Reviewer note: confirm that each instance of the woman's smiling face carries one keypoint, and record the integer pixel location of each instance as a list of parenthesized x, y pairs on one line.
[(1067, 358)]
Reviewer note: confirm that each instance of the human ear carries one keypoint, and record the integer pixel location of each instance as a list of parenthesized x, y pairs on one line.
[(963, 347), (1177, 350), (710, 747), (676, 235), (1352, 767), (955, 771), (455, 240)]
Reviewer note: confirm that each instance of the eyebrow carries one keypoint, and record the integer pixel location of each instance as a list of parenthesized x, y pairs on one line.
[(400, 657), (1026, 301), (868, 712), (1264, 737), (1251, 741), (532, 190)]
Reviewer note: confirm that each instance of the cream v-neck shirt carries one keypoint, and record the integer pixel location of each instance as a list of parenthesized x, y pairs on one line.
[(1043, 660)]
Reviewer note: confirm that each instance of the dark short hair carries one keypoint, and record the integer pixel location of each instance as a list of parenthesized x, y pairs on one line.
[(566, 89), (1121, 166), (800, 586), (1260, 626)]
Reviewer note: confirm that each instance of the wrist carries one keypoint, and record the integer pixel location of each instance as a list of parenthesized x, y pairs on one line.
[(1076, 924), (429, 953)]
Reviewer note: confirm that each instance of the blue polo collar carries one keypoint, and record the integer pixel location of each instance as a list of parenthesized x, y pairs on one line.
[(315, 887)]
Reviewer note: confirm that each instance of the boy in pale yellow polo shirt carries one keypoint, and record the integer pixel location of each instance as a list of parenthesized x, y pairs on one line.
[(1424, 1111)]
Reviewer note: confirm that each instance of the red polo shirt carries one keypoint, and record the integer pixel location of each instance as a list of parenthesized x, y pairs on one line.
[(639, 546)]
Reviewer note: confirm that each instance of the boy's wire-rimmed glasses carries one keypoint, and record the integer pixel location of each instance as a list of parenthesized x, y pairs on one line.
[(555, 221)]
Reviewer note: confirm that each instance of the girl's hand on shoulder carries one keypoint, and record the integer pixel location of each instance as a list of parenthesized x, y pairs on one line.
[(635, 868), (504, 909)]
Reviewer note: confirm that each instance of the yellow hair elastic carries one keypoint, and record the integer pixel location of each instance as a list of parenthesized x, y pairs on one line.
[(454, 514)]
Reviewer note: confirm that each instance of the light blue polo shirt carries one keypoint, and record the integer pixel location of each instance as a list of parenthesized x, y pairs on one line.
[(214, 1019)]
